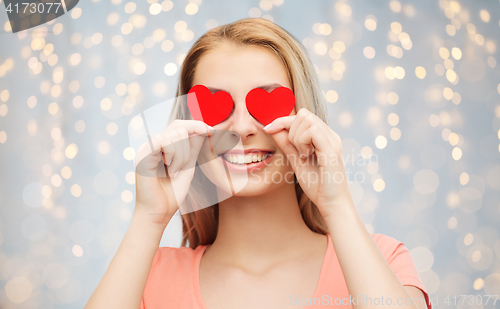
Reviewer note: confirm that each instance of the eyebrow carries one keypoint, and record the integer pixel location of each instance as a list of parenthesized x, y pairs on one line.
[(265, 87)]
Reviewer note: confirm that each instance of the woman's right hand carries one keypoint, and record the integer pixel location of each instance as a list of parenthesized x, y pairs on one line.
[(178, 147)]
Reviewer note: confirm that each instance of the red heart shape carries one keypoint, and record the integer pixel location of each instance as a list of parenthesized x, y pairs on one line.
[(265, 106), (207, 107)]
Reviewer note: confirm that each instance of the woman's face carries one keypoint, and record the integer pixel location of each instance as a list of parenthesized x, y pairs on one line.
[(237, 70)]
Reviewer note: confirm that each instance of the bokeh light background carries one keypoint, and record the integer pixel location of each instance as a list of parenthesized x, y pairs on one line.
[(412, 87)]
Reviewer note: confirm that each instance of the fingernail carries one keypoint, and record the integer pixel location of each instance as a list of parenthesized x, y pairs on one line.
[(170, 162), (211, 128), (268, 126), (176, 173)]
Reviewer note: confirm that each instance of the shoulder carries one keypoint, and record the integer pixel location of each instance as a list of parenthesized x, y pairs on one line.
[(401, 262), (397, 256), (174, 255), (176, 258), (387, 245), (171, 278)]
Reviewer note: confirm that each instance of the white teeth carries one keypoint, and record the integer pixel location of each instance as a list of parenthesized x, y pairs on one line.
[(249, 158), (241, 159)]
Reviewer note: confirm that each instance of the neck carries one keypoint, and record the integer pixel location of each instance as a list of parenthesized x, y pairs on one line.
[(268, 224)]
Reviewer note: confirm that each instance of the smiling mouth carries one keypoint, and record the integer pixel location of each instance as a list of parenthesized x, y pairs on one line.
[(240, 159)]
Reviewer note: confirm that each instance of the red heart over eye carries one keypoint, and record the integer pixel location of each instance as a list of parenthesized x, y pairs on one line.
[(265, 106), (207, 107)]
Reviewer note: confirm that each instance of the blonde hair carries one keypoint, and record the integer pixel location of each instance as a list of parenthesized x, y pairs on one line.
[(200, 227)]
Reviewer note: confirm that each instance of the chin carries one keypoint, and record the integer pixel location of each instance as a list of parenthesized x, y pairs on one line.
[(255, 189)]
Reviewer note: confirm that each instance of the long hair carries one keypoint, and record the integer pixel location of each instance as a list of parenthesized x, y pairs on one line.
[(200, 227)]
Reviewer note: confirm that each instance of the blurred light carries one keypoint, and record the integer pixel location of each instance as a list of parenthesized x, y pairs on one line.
[(130, 7), (464, 178), (66, 172), (106, 104), (456, 153), (332, 96), (155, 9), (167, 45), (56, 180), (112, 128), (456, 53), (485, 16), (420, 72), (103, 147), (395, 134), (424, 259), (99, 82), (396, 27), (18, 289), (343, 8), (113, 18), (76, 190), (180, 26), (170, 69), (380, 142), (392, 98), (76, 13), (75, 59), (127, 196), (71, 151), (77, 251), (78, 101), (371, 22), (53, 108), (478, 284), (444, 53), (451, 30), (395, 6), (393, 119), (192, 8), (452, 223), (379, 185), (127, 28), (129, 153), (130, 178), (369, 52), (167, 5)]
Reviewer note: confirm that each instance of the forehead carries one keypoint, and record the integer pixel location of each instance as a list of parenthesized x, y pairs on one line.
[(247, 66)]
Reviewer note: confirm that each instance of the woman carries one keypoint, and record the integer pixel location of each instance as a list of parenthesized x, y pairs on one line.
[(291, 243)]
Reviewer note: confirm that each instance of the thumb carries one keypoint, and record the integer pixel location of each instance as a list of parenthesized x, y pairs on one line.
[(291, 152)]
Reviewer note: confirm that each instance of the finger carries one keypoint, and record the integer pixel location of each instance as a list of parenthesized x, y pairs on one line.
[(168, 154), (296, 131), (147, 156), (177, 154), (316, 140), (186, 148), (192, 126), (279, 124), (195, 143), (305, 141), (291, 152), (143, 152), (299, 119)]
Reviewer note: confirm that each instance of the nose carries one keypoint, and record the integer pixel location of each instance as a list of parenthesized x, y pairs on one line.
[(242, 122)]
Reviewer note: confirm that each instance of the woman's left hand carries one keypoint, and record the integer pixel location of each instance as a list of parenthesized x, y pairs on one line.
[(321, 173)]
